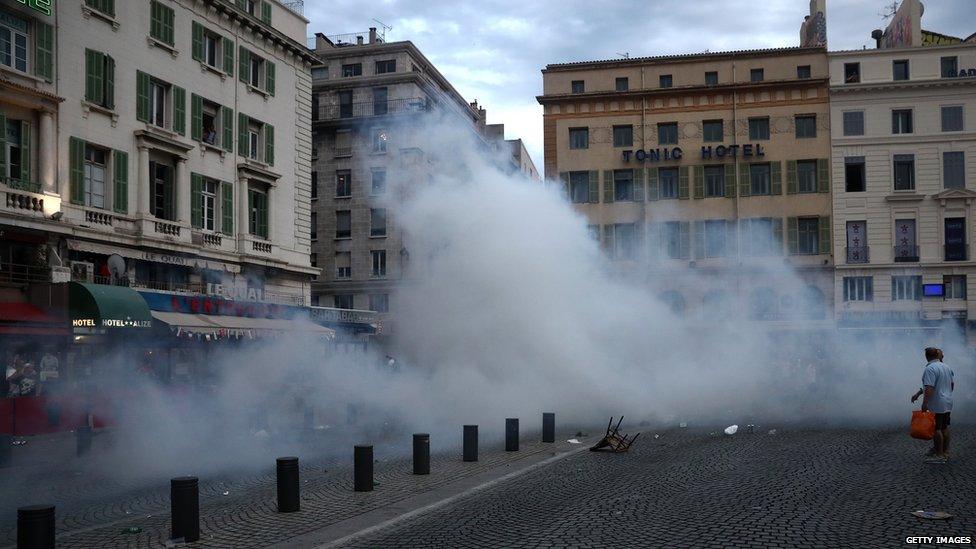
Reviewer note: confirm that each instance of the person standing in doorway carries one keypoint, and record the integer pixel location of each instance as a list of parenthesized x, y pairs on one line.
[(937, 387)]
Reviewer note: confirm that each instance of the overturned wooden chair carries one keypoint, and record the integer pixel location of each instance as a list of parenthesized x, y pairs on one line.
[(612, 441)]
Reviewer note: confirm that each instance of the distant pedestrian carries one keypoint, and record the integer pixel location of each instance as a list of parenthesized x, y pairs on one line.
[(937, 387)]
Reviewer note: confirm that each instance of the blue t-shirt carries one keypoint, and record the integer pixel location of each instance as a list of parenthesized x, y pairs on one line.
[(939, 377)]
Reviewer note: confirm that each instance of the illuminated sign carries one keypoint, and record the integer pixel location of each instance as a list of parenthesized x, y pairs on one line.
[(43, 6), (83, 322), (748, 150), (110, 323)]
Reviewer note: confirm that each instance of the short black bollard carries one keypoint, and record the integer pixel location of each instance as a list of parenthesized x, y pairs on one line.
[(470, 443), (184, 502), (83, 438), (548, 427), (421, 454), (35, 527), (511, 434), (6, 450), (287, 469), (363, 469)]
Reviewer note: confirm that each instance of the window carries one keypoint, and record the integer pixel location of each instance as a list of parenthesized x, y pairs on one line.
[(808, 235), (250, 6), (906, 288), (667, 133), (712, 130), (854, 123), (162, 191), (756, 75), (158, 91), (715, 238), (858, 288), (345, 104), (381, 105), (13, 42), (320, 73), (668, 179), (806, 176), (99, 78), (954, 170), (161, 23), (711, 78), (665, 81), (343, 183), (344, 224), (380, 138), (759, 128), (759, 179), (952, 118), (852, 73), (904, 172), (901, 121), (315, 185), (906, 250), (352, 69), (208, 205), (258, 210), (857, 237), (579, 138), (578, 86), (674, 232), (950, 66), (623, 136), (378, 184), (377, 222), (854, 174), (714, 181), (579, 187), (105, 6), (386, 66), (211, 123), (624, 241), (211, 48), (955, 286), (955, 239), (379, 303), (256, 71), (806, 126), (622, 84), (343, 262), (95, 172), (253, 140), (379, 262), (759, 238), (803, 71), (314, 230), (899, 69), (16, 147), (343, 301), (623, 185)]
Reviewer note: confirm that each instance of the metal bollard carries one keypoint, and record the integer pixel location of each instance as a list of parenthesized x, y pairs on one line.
[(470, 443), (6, 450), (363, 469), (511, 434), (421, 454), (35, 527), (287, 472), (83, 438), (184, 502), (548, 427)]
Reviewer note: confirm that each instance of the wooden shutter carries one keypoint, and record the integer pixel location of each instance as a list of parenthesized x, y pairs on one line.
[(227, 140), (699, 239), (793, 235), (744, 233), (594, 186), (730, 181), (44, 51), (244, 64), (775, 178), (169, 194), (683, 182), (266, 12), (608, 186), (226, 208), (269, 77), (109, 82), (25, 155), (241, 4), (196, 117), (3, 144), (263, 207), (109, 7), (269, 144), (791, 177), (227, 45), (778, 235), (654, 246), (142, 96), (120, 176), (179, 110), (731, 237), (638, 184), (167, 14), (608, 238), (95, 77), (653, 186), (823, 175), (824, 226), (745, 179), (196, 200), (155, 20), (566, 190), (699, 181), (76, 175), (242, 143), (197, 41), (684, 239)]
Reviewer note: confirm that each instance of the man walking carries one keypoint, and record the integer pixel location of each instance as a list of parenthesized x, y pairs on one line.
[(937, 387)]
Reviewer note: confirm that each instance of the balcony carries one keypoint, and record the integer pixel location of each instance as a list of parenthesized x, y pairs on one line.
[(956, 252), (16, 273), (858, 254), (367, 109), (21, 185), (906, 253)]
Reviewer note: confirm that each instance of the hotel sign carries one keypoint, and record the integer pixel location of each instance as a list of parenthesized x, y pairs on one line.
[(43, 6), (708, 152), (962, 73), (110, 323)]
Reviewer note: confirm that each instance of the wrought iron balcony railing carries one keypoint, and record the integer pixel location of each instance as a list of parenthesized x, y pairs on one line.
[(367, 109), (906, 253), (858, 254), (21, 184)]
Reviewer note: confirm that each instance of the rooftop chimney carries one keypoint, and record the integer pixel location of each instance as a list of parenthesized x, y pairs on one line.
[(877, 34), (372, 35), (359, 40)]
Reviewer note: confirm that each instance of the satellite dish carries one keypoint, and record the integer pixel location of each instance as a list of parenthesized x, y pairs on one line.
[(116, 267)]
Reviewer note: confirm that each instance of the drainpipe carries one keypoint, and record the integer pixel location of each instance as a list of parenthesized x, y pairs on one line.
[(735, 196)]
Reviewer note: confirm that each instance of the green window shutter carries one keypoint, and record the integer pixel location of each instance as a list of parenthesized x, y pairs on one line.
[(731, 237), (120, 176), (824, 226), (778, 235), (684, 239), (179, 110), (142, 96), (109, 82), (775, 178), (197, 41), (564, 179), (608, 238), (109, 7), (44, 51), (266, 12), (196, 200), (699, 237), (699, 181), (638, 184), (745, 245), (244, 64), (168, 16), (25, 151), (269, 144), (594, 187), (263, 216), (95, 77), (251, 218), (241, 4), (76, 176), (226, 208), (745, 179), (791, 177), (654, 245), (242, 134), (683, 182), (653, 186), (608, 186), (228, 127), (196, 117), (793, 235), (730, 181), (155, 20), (269, 73), (227, 45), (3, 144), (823, 175), (169, 195)]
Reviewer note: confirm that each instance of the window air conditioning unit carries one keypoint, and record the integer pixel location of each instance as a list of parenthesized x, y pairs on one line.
[(82, 271)]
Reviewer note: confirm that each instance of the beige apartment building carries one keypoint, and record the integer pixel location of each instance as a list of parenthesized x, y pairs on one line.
[(904, 172), (705, 177)]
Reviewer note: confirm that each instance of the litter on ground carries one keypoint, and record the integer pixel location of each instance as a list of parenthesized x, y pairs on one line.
[(731, 429), (574, 441), (932, 515)]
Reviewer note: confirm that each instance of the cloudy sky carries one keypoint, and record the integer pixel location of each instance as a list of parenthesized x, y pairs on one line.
[(493, 50)]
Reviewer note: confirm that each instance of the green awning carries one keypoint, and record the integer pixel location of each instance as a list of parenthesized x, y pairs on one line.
[(104, 306)]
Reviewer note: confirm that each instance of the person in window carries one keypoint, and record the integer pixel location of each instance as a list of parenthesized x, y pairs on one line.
[(210, 135)]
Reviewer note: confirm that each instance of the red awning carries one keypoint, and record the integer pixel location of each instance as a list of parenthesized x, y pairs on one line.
[(26, 319)]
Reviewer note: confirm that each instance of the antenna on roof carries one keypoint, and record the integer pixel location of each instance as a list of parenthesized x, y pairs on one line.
[(385, 28), (625, 55), (889, 10)]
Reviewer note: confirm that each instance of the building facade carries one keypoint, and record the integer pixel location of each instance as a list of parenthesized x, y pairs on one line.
[(705, 177), (172, 133), (904, 173)]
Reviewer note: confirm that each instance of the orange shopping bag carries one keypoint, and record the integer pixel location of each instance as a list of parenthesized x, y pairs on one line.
[(923, 425)]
